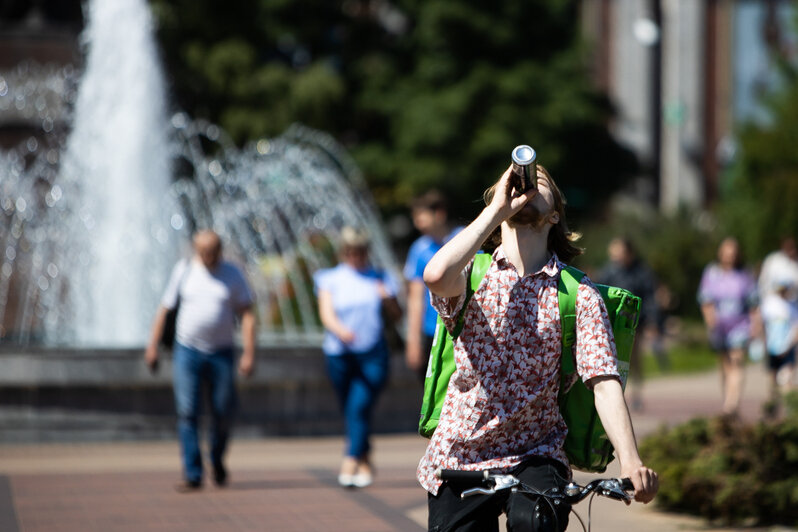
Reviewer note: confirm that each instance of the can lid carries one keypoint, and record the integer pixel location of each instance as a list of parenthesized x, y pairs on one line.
[(523, 155)]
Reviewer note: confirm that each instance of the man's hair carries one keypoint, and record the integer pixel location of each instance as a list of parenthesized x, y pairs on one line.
[(561, 240), (432, 200)]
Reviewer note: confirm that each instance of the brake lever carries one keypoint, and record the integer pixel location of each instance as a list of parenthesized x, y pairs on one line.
[(500, 482), (477, 491), (613, 489)]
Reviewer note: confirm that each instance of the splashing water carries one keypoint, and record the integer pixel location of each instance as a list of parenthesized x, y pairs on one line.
[(91, 225), (117, 160)]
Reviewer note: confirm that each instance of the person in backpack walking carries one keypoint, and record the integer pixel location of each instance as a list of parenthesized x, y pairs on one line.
[(501, 409)]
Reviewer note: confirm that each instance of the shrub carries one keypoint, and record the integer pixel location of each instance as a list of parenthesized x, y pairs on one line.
[(727, 471)]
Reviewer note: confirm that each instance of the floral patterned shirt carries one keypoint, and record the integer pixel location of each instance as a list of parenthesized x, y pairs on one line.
[(501, 405)]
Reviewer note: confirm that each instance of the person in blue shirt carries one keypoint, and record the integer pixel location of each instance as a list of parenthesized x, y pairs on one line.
[(351, 298), (431, 218), (780, 319)]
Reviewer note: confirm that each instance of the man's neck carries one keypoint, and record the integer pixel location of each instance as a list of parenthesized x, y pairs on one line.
[(525, 248)]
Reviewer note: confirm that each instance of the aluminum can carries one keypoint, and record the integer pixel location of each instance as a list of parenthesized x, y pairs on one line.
[(524, 168)]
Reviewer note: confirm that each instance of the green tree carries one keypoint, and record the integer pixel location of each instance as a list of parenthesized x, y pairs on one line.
[(254, 66), (424, 93), (760, 191), (475, 81)]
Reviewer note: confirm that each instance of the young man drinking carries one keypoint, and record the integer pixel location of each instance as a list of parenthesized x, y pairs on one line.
[(501, 411)]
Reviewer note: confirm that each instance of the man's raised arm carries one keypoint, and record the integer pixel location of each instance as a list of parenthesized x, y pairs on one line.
[(444, 272)]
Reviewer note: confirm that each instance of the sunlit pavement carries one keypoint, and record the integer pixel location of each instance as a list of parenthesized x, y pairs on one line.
[(290, 484)]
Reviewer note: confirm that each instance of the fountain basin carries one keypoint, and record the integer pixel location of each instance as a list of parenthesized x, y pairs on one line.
[(73, 395)]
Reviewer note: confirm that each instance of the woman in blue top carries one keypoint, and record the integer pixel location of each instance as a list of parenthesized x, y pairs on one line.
[(351, 298)]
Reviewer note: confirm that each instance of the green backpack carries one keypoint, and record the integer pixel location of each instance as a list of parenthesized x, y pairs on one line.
[(587, 446)]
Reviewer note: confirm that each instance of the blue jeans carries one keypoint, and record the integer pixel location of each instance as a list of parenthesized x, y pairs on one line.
[(191, 370), (358, 379)]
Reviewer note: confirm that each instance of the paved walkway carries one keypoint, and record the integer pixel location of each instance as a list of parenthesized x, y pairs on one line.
[(287, 484)]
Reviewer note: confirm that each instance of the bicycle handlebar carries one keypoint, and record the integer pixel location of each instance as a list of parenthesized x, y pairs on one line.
[(614, 488)]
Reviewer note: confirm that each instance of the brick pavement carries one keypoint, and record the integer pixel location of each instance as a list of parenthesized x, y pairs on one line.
[(285, 484)]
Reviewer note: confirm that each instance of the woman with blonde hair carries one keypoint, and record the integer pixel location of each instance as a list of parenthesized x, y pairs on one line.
[(351, 298)]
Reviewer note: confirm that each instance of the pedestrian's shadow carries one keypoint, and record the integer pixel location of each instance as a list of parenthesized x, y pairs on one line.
[(280, 484), (319, 478)]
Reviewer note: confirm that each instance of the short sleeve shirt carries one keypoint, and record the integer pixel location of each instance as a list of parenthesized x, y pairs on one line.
[(777, 269), (357, 304), (209, 302), (501, 405), (781, 321), (420, 253), (733, 293)]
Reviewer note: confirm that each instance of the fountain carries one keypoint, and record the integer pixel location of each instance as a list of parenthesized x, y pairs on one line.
[(94, 213), (92, 224)]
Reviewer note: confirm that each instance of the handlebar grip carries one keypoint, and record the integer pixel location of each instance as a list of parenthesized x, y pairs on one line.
[(462, 476), (626, 484)]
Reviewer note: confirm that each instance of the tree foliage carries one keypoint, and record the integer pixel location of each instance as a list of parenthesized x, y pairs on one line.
[(432, 93), (758, 200), (675, 246)]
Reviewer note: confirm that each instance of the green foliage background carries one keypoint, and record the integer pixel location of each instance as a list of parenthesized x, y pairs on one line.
[(423, 93), (436, 93), (761, 190), (675, 246)]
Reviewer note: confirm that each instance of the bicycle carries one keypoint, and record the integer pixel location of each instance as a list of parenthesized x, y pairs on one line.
[(573, 493)]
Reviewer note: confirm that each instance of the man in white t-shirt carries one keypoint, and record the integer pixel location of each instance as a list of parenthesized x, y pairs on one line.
[(780, 265), (211, 293)]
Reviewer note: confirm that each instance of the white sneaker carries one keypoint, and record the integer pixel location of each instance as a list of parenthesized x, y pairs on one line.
[(361, 480), (346, 480)]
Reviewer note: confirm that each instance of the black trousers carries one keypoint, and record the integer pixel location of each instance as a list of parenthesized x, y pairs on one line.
[(525, 513)]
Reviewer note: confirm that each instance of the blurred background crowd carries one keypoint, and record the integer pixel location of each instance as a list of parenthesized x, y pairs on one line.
[(669, 125)]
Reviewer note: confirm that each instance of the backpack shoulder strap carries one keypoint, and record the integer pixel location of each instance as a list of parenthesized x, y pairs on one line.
[(479, 268), (567, 289)]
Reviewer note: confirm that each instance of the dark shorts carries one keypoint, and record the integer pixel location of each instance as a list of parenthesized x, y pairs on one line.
[(525, 513), (776, 362)]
